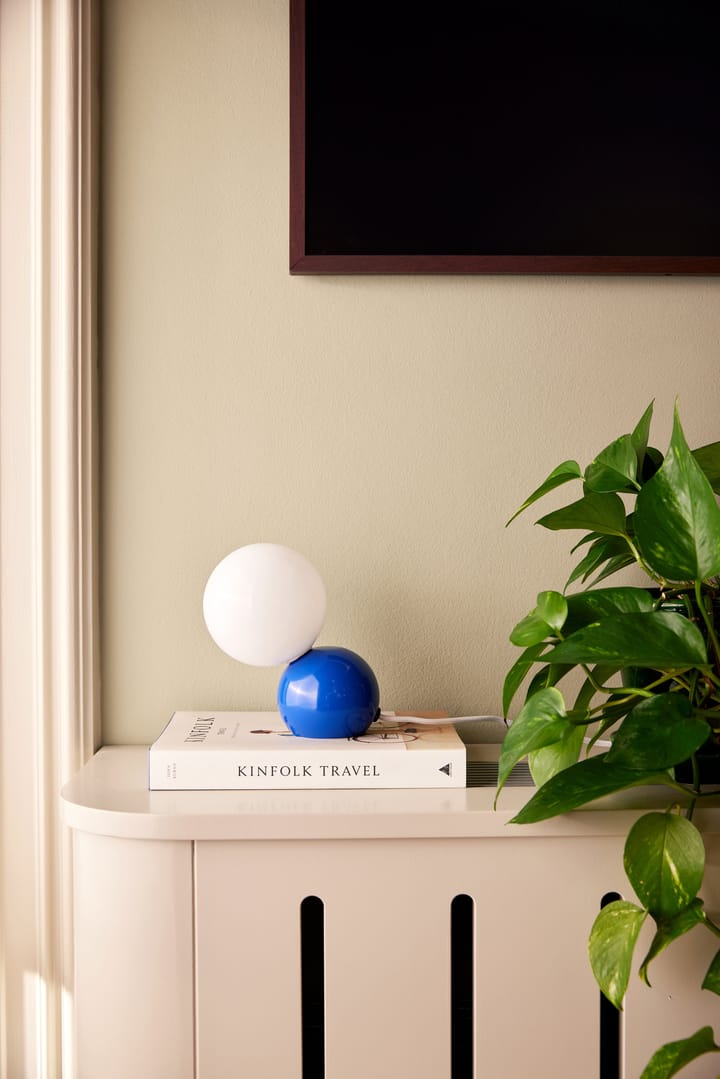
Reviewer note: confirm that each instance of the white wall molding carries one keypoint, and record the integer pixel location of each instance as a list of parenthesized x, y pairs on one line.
[(48, 530)]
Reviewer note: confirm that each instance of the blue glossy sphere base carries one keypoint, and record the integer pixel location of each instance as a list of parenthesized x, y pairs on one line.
[(328, 693)]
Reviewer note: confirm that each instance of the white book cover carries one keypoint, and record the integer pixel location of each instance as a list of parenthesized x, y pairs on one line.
[(256, 751)]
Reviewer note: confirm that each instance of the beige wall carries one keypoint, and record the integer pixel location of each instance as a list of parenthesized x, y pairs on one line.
[(386, 427)]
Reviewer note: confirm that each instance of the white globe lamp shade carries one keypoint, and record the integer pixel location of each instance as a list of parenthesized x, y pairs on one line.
[(264, 604)]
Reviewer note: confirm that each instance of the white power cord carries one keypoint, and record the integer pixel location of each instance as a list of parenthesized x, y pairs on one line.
[(446, 721), (440, 721)]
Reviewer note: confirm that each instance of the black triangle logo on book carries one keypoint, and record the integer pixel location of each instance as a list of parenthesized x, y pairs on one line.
[(447, 769)]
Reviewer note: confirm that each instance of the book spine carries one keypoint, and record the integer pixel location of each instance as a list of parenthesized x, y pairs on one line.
[(231, 770)]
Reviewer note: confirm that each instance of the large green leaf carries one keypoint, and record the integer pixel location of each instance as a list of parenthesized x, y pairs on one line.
[(598, 603), (568, 470), (614, 468), (548, 761), (543, 620), (518, 672), (664, 860), (708, 457), (671, 1058), (677, 518), (659, 732), (670, 930), (611, 946), (711, 980), (658, 639), (604, 513), (541, 722), (582, 783)]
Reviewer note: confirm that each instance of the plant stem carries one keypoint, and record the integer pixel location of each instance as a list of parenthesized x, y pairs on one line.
[(642, 563), (711, 926), (712, 637), (689, 792)]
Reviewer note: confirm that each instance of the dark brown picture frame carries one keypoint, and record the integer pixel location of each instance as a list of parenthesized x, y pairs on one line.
[(693, 220)]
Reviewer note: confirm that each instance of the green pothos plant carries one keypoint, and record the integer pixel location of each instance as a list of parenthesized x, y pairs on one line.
[(649, 689)]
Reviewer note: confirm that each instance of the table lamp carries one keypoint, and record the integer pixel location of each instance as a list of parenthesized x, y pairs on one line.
[(264, 605)]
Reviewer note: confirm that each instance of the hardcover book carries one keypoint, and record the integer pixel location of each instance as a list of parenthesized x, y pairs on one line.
[(256, 751)]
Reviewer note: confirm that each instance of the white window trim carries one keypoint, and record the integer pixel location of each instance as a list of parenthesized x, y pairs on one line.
[(48, 506)]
